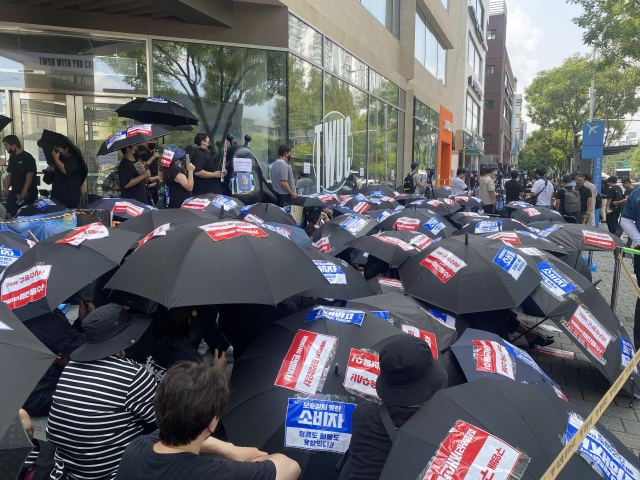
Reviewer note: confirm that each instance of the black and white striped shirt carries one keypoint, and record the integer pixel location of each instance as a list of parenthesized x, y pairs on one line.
[(98, 409)]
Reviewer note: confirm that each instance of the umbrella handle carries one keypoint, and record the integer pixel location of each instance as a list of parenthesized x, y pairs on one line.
[(531, 328), (35, 239)]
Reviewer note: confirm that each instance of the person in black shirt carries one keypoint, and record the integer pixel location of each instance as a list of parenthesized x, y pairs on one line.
[(20, 176), (68, 175), (178, 179), (409, 376), (189, 402), (514, 189), (207, 176), (132, 182), (585, 199), (614, 208), (149, 155)]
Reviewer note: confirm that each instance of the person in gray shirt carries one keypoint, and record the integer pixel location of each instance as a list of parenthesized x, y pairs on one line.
[(458, 187), (303, 185), (282, 180)]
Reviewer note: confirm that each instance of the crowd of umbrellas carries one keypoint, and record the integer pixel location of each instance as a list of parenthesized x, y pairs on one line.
[(446, 259)]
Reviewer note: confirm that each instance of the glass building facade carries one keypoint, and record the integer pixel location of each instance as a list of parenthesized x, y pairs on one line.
[(425, 136)]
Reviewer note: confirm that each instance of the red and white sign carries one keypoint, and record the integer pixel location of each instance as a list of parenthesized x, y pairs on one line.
[(443, 264), (362, 372), (493, 358), (554, 352), (509, 237), (532, 212), (430, 338), (435, 203), (345, 200), (391, 282), (158, 232), (599, 239), (326, 198), (588, 330), (323, 245), (559, 393), (226, 230), (394, 241), (469, 453), (86, 232), (448, 201), (462, 199), (530, 251), (167, 156), (25, 287), (303, 366), (387, 199), (406, 223), (197, 204), (421, 241), (253, 219), (361, 207), (471, 214), (139, 130), (126, 207)]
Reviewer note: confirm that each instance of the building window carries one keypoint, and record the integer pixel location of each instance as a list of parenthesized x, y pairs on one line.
[(425, 136), (488, 104), (445, 3), (475, 60), (304, 40), (387, 12), (479, 9), (429, 48), (490, 69), (507, 110), (491, 34), (487, 138), (472, 122)]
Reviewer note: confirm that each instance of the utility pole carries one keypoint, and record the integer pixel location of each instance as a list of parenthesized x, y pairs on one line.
[(592, 90)]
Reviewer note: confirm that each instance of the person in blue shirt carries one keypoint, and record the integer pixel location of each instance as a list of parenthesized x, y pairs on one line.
[(629, 222)]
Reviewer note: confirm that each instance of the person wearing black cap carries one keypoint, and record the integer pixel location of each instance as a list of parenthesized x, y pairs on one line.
[(103, 400), (409, 376)]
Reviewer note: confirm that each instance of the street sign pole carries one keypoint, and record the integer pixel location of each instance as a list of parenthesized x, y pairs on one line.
[(593, 147)]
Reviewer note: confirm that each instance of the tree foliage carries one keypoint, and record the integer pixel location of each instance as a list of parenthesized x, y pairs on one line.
[(548, 148)]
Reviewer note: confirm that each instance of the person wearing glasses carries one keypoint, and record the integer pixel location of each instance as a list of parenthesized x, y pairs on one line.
[(206, 175)]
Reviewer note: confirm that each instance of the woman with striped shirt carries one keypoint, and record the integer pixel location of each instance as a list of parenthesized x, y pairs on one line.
[(103, 400)]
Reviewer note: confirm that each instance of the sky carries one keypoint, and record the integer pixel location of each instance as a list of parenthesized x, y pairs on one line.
[(540, 35)]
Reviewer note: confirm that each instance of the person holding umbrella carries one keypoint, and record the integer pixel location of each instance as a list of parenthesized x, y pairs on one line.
[(149, 156), (207, 176), (20, 174), (178, 178), (67, 175), (132, 182)]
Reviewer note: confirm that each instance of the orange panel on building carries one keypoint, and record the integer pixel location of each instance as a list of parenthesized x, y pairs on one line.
[(444, 147)]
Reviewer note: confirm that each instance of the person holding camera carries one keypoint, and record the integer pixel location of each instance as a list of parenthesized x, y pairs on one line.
[(20, 176), (133, 175)]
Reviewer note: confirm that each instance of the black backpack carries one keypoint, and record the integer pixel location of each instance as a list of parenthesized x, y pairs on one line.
[(598, 201), (408, 185)]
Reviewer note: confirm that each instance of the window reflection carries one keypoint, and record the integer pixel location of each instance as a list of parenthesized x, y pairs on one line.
[(383, 143), (304, 40)]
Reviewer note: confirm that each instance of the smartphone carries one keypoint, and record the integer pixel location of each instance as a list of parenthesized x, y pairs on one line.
[(187, 161)]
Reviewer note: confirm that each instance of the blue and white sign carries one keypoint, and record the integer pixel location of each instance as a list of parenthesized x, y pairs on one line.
[(488, 226), (627, 352), (510, 262), (332, 272), (360, 197), (4, 326), (43, 203), (376, 200), (521, 204), (8, 256), (225, 202), (549, 230), (526, 358), (418, 202), (602, 456), (532, 235), (399, 208), (278, 230), (246, 208), (383, 216), (318, 425), (338, 315), (434, 225), (443, 318), (554, 281), (157, 100), (354, 224), (382, 314), (376, 193), (115, 137)]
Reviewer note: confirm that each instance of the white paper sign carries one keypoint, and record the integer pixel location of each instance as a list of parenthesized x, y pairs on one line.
[(307, 167), (242, 165), (362, 172), (108, 159)]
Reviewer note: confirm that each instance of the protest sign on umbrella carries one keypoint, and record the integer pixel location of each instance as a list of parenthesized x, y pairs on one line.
[(266, 212), (525, 240), (533, 214), (391, 247), (442, 206), (525, 425), (12, 247), (332, 239), (573, 236), (518, 205), (377, 190), (478, 225), (315, 200), (214, 204), (384, 202), (149, 221), (418, 220), (121, 207), (357, 224), (131, 136), (157, 110), (41, 206), (467, 201)]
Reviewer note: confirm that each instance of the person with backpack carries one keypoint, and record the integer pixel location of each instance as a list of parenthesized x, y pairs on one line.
[(542, 190), (568, 199), (614, 209), (596, 204), (412, 180)]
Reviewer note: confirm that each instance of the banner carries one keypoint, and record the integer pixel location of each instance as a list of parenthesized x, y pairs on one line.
[(406, 223), (443, 264), (226, 230), (430, 338), (26, 287), (338, 315), (589, 331), (91, 231), (492, 357), (332, 272), (599, 239), (362, 373), (242, 165)]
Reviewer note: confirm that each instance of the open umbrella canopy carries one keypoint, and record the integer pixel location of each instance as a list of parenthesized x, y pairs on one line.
[(470, 274), (382, 203), (418, 220), (157, 110), (15, 447), (315, 200), (214, 203), (49, 138), (41, 207), (573, 236), (344, 281), (357, 224), (377, 190), (332, 239), (220, 262), (131, 136), (12, 247), (56, 268), (391, 247), (518, 205), (532, 214), (296, 234), (4, 121), (149, 221), (442, 206), (500, 415), (266, 382), (438, 192), (121, 207), (478, 225), (24, 360), (467, 201), (266, 212), (525, 240)]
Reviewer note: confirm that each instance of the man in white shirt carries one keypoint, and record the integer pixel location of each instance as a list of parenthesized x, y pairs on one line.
[(542, 189), (458, 187), (594, 194)]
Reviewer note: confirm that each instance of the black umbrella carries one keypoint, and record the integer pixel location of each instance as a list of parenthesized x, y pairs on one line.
[(315, 200), (525, 241), (442, 206), (467, 201), (473, 275), (131, 136), (537, 214), (12, 247), (406, 198), (382, 203), (518, 205), (332, 239), (439, 192), (4, 121), (383, 285), (213, 203), (49, 138), (24, 360), (392, 247), (149, 221), (345, 282), (56, 268), (41, 207), (266, 212), (495, 415), (479, 225), (357, 224), (377, 190), (418, 220), (573, 236), (121, 207), (265, 380), (482, 354), (202, 263), (351, 201), (15, 447), (157, 110), (455, 218)]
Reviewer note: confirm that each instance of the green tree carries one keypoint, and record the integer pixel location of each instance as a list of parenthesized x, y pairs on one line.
[(548, 148)]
